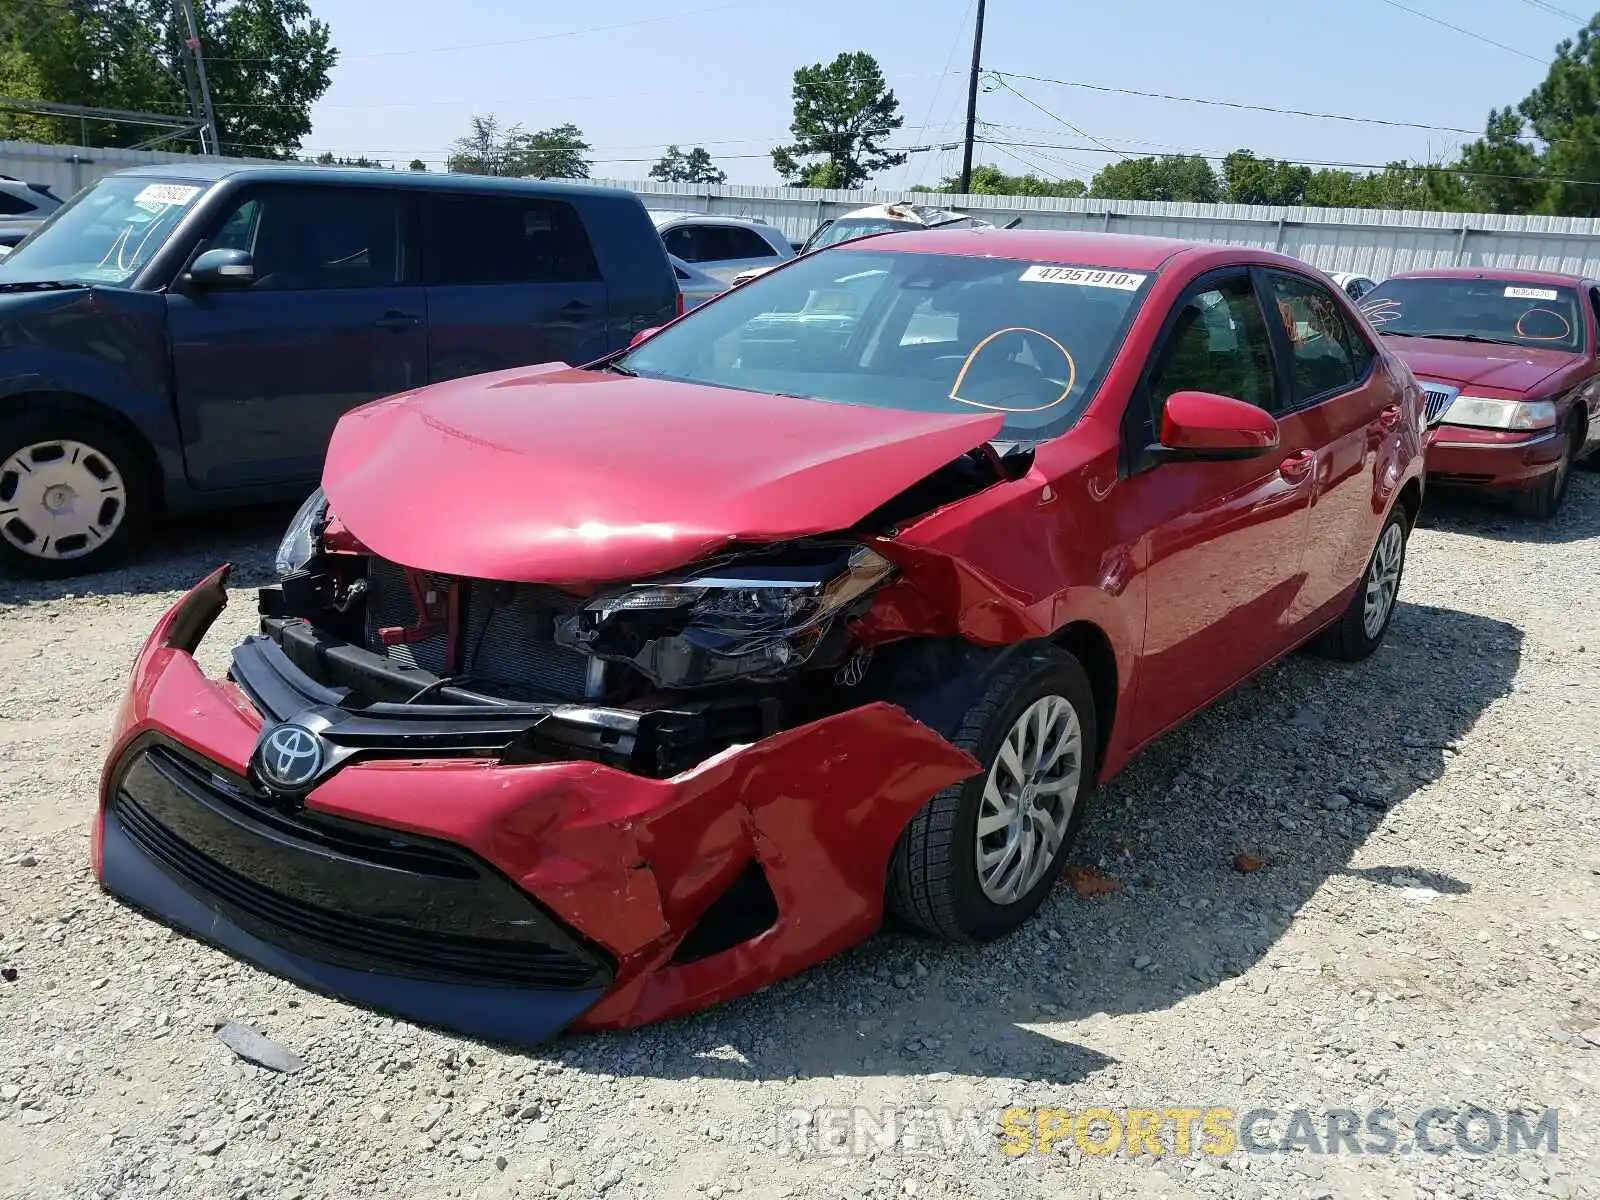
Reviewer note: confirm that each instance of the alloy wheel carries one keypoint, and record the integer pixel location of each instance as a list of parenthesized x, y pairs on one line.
[(1383, 578), (60, 499), (1028, 799)]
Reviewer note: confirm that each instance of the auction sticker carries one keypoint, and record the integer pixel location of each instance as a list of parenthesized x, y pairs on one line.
[(164, 195), (1121, 281), (1527, 293)]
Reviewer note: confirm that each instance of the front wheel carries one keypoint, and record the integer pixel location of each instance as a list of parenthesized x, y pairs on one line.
[(979, 858), (73, 495), (1543, 500), (1360, 628)]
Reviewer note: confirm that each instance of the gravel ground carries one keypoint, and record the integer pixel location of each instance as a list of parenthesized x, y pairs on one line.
[(1423, 933)]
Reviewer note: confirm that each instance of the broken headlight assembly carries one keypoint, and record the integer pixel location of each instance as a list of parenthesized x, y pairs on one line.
[(301, 541), (754, 619)]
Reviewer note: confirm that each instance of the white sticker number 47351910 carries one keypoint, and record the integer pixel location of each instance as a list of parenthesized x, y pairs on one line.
[(1122, 281)]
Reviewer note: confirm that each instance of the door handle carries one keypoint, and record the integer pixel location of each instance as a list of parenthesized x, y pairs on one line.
[(398, 320), (577, 306), (1389, 417), (1297, 466)]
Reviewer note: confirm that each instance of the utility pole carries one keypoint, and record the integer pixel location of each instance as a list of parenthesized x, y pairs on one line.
[(209, 142), (972, 103)]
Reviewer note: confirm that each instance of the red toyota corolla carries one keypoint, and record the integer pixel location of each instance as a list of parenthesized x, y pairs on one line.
[(1509, 366), (589, 697)]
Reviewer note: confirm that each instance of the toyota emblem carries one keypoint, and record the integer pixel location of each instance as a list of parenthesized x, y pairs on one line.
[(289, 758)]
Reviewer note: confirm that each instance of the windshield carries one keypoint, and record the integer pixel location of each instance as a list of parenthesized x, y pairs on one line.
[(104, 234), (922, 332), (1495, 310)]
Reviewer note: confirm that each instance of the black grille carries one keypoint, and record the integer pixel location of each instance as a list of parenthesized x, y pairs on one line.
[(1438, 400), (409, 906), (507, 640)]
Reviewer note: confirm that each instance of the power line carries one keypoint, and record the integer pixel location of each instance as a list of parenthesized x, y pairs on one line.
[(538, 37), (1555, 12), (1466, 32), (1237, 104), (955, 45), (1059, 120)]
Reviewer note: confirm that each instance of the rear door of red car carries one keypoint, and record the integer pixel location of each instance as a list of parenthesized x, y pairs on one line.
[(1223, 540), (1344, 410)]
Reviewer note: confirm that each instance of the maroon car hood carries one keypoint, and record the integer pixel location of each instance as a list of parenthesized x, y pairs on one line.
[(1478, 364), (553, 475)]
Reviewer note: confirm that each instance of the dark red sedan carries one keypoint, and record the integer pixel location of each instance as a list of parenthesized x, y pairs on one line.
[(593, 696), (1508, 361)]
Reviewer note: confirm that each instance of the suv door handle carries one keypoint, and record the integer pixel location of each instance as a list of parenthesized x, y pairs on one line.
[(1389, 417), (398, 320), (1297, 466)]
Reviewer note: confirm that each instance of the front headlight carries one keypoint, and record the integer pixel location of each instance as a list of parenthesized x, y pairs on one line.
[(1486, 413), (754, 620), (305, 531)]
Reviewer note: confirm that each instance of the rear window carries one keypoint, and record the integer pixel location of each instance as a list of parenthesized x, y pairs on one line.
[(1512, 311), (922, 332), (506, 239)]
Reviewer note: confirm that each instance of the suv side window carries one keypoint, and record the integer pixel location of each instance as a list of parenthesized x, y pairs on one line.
[(1218, 343), (14, 206), (319, 238), (1326, 355), (509, 239), (738, 242), (684, 242)]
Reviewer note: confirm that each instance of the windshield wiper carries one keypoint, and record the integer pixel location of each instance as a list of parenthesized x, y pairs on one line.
[(619, 369), (38, 285), (1462, 337)]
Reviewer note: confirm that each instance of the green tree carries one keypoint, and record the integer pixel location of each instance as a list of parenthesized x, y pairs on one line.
[(555, 153), (489, 148), (268, 62), (1247, 179), (326, 159), (694, 167), (19, 79), (992, 181), (1179, 177), (843, 112), (418, 165), (1501, 170)]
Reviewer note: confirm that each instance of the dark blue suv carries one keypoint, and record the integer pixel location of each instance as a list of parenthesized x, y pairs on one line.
[(184, 337)]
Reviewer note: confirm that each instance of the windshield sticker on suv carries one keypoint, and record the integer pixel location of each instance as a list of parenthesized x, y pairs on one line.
[(1121, 281), (165, 195), (1527, 293)]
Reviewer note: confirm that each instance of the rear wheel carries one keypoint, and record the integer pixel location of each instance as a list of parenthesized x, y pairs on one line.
[(73, 495), (1543, 500), (1360, 629), (978, 860)]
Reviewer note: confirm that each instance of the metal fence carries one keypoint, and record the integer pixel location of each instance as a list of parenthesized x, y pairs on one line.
[(1373, 242)]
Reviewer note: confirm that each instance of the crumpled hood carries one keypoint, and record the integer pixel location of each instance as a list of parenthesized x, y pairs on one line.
[(1477, 364), (554, 475)]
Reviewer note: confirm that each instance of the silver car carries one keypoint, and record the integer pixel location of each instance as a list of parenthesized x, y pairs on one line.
[(722, 246), (694, 285)]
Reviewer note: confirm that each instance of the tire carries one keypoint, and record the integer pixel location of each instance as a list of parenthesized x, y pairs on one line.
[(1543, 500), (1352, 637), (934, 880), (74, 495)]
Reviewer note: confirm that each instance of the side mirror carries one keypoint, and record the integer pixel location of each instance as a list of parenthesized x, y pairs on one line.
[(1204, 427), (643, 335), (222, 268)]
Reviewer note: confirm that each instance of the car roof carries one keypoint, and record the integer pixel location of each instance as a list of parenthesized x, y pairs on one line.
[(202, 171), (667, 218), (1118, 251), (1555, 277)]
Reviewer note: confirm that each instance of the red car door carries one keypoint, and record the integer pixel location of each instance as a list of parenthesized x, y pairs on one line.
[(1348, 412), (1222, 540)]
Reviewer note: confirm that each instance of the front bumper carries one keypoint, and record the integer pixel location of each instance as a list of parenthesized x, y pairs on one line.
[(1491, 458), (559, 893)]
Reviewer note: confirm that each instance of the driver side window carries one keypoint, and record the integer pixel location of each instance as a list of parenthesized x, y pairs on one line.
[(1218, 343)]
